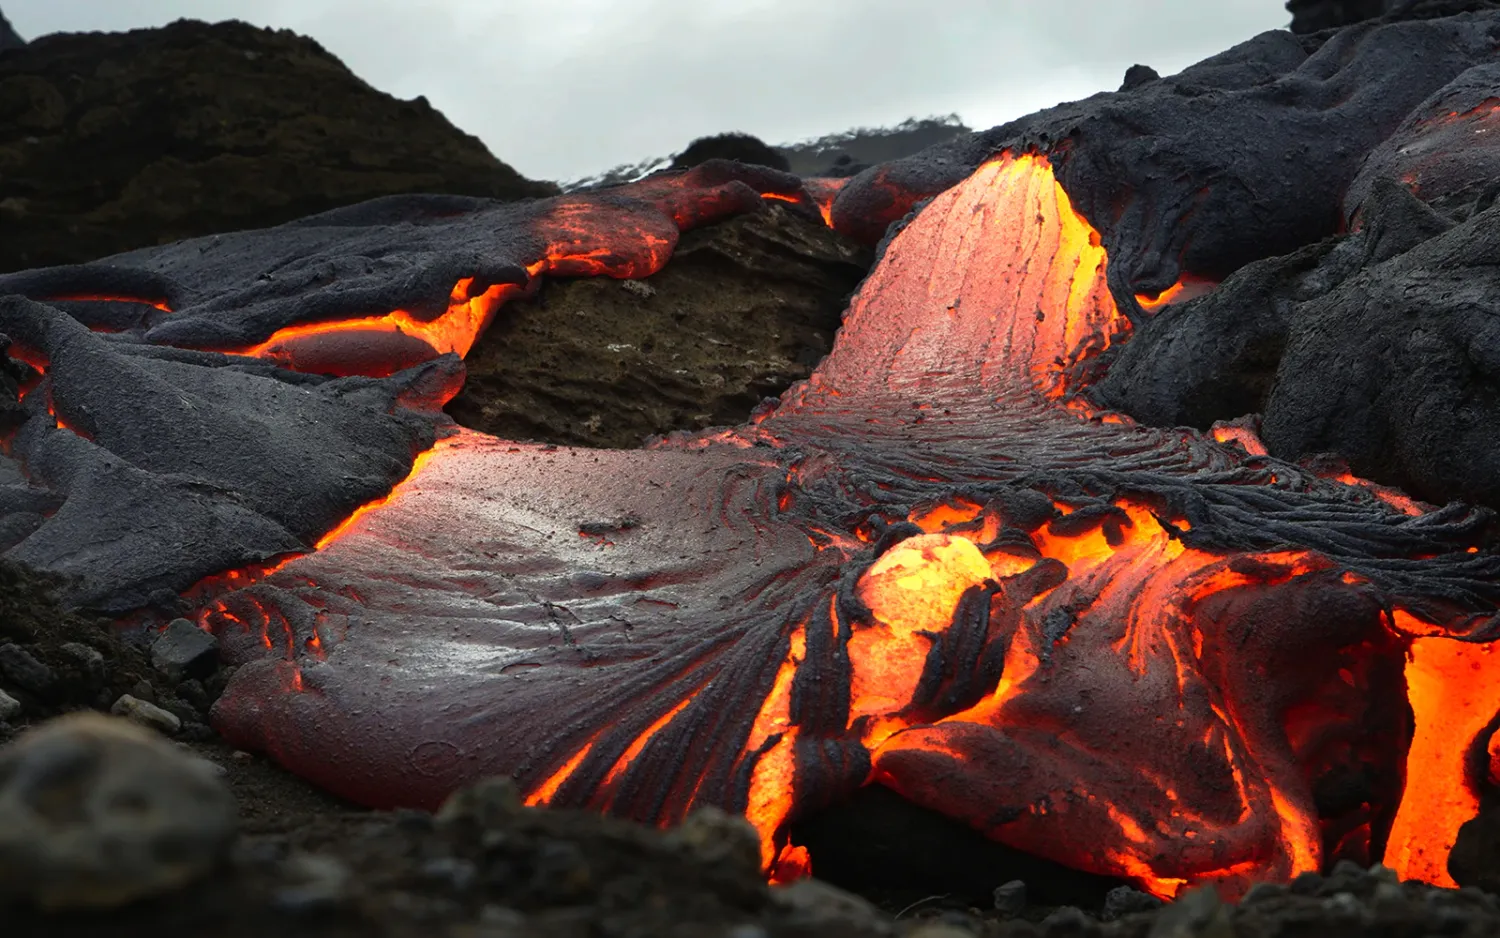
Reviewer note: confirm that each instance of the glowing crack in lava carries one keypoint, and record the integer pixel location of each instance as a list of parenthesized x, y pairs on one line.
[(1137, 652)]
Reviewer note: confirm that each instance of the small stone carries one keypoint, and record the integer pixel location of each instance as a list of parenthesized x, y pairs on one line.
[(146, 714), (488, 804), (498, 916), (1307, 884), (27, 673), (1262, 892), (1384, 874), (717, 838), (1389, 900), (1067, 922), (1199, 914), (96, 812), (89, 660), (241, 756), (452, 872), (1346, 909), (10, 707), (811, 905), (317, 884), (184, 651), (939, 930), (1123, 900), (1010, 899), (638, 287), (144, 691)]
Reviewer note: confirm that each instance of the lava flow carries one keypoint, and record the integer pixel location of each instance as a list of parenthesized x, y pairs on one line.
[(1137, 652), (628, 236)]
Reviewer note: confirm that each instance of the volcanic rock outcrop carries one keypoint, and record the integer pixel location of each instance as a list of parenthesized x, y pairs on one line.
[(113, 141), (1321, 121), (745, 308), (741, 147)]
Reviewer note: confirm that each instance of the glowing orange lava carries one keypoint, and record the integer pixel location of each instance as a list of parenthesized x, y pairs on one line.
[(1454, 689), (92, 298), (1186, 288)]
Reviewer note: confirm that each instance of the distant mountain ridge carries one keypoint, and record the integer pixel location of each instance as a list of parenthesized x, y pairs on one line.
[(837, 154), (867, 146)]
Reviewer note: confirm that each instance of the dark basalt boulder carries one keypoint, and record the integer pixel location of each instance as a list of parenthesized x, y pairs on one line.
[(742, 148), (1447, 151), (1217, 357), (1311, 16), (115, 141), (1397, 370), (1380, 348), (745, 308)]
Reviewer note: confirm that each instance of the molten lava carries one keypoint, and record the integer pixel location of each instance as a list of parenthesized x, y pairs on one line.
[(1141, 653)]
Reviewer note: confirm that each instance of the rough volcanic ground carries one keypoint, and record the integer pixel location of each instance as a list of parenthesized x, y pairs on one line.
[(115, 141)]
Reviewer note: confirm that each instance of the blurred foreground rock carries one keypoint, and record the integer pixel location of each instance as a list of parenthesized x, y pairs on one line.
[(96, 813)]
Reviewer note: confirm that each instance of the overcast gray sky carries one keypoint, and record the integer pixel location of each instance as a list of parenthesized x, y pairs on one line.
[(563, 88)]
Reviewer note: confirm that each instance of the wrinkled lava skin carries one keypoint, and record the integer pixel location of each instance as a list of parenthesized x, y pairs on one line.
[(1138, 652)]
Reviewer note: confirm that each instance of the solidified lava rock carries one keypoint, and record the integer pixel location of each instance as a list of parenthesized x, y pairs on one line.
[(113, 141), (744, 148), (1217, 357), (746, 307), (1310, 16), (1396, 370), (1376, 347), (1444, 152), (90, 663), (192, 456)]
